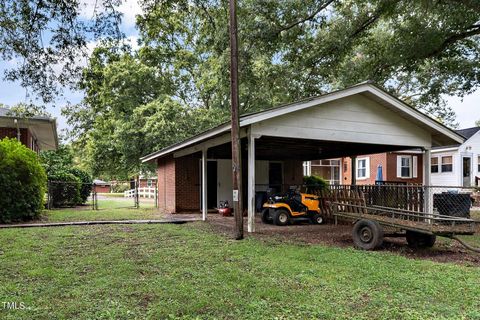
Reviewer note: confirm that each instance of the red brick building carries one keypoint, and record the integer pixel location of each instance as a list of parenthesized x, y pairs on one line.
[(37, 133)]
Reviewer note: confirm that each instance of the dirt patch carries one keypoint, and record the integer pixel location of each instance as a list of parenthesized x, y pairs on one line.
[(340, 236)]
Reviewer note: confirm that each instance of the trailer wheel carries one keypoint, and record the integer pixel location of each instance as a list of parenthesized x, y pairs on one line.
[(281, 217), (317, 219), (266, 216), (420, 240), (367, 234)]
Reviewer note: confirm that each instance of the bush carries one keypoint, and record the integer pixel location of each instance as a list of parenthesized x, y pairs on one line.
[(64, 189), (86, 184), (22, 182), (121, 187), (314, 183)]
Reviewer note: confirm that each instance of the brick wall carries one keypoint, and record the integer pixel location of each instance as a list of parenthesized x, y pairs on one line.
[(178, 184), (166, 184), (187, 180), (389, 165)]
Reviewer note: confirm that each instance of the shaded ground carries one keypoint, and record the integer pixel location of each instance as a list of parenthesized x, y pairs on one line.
[(445, 250)]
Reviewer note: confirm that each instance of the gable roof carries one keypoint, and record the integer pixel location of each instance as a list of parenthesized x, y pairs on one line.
[(468, 132), (365, 88)]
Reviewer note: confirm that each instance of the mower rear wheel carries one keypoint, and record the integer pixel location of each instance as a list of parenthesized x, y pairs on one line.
[(317, 219), (281, 217), (266, 217), (420, 240), (367, 234)]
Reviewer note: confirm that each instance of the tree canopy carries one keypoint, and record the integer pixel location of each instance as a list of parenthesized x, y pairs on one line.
[(177, 82)]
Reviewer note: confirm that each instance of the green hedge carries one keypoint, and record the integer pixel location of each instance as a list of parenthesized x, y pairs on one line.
[(22, 182), (314, 183), (86, 184)]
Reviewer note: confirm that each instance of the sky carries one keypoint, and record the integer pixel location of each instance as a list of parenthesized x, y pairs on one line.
[(466, 109)]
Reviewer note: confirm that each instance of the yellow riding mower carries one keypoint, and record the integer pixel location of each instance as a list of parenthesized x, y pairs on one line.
[(291, 206)]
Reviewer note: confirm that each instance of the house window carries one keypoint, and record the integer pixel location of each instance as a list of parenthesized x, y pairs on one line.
[(149, 183), (406, 167), (434, 165), (478, 165), (362, 168), (447, 164)]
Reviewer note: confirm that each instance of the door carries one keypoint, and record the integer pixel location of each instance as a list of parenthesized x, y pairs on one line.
[(467, 169), (211, 184), (275, 176)]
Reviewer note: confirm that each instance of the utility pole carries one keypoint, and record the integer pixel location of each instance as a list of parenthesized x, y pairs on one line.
[(236, 148)]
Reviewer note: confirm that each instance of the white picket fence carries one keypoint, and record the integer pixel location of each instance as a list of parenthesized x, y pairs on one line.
[(142, 193)]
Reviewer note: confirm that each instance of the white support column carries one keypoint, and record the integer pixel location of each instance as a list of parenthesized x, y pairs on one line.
[(427, 182), (204, 184), (251, 183)]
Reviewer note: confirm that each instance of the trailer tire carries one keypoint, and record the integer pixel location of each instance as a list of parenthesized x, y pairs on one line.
[(266, 217), (367, 234), (281, 217), (417, 240)]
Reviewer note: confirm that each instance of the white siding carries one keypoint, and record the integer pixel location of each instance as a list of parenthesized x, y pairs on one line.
[(353, 119), (447, 178)]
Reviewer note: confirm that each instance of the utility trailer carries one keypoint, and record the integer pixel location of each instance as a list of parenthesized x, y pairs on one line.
[(371, 223)]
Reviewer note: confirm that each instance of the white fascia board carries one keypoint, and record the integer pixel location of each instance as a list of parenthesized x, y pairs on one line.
[(186, 143)]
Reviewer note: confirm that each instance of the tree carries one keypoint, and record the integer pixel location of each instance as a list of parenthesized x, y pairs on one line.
[(477, 123), (48, 37)]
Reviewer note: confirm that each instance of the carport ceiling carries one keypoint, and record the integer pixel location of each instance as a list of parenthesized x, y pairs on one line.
[(275, 148)]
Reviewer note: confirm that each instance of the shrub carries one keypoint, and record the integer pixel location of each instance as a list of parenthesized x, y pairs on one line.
[(86, 184), (121, 187), (64, 189), (314, 183), (22, 182)]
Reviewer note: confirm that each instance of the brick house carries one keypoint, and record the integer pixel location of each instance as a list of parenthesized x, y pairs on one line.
[(195, 174), (37, 133), (397, 167)]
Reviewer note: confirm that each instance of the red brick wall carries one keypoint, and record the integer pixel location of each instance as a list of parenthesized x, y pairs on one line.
[(166, 184), (187, 180), (178, 184), (102, 189), (392, 168), (389, 164)]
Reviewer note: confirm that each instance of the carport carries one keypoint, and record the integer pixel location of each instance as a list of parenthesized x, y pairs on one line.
[(359, 120)]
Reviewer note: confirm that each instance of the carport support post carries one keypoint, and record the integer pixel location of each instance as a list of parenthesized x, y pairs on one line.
[(204, 184), (428, 194), (251, 183)]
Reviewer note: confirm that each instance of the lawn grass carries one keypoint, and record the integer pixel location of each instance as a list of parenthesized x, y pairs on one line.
[(187, 271), (108, 209)]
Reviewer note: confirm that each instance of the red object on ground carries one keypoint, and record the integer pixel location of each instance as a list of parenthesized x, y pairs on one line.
[(226, 212)]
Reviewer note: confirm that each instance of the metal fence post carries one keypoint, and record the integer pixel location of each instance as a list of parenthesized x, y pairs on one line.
[(136, 196), (49, 196)]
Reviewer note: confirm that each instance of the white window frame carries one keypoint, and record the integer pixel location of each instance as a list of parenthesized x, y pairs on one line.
[(413, 166), (441, 163), (367, 168), (439, 167)]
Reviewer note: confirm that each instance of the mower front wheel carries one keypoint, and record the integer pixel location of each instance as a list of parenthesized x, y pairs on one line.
[(281, 217), (317, 219), (266, 216)]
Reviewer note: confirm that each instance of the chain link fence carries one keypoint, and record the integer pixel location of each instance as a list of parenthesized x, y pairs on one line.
[(114, 195)]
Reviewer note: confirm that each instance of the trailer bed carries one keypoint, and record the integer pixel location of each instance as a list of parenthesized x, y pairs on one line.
[(422, 222)]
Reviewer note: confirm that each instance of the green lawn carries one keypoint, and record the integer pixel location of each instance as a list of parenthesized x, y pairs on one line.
[(108, 209), (187, 271)]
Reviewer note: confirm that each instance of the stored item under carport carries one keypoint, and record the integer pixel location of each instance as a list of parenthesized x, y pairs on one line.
[(290, 207)]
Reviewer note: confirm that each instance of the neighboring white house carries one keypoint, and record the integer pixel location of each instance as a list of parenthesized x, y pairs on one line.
[(457, 165)]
